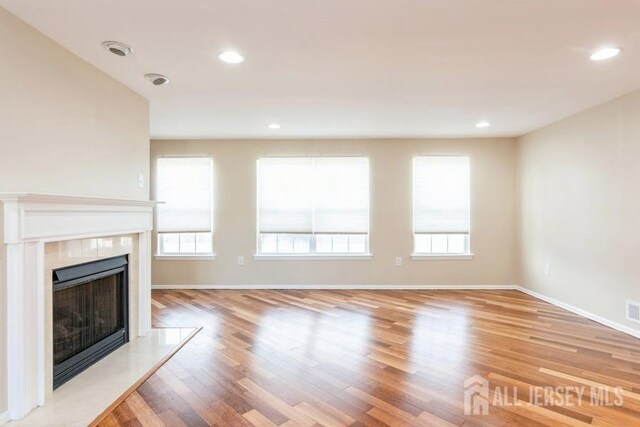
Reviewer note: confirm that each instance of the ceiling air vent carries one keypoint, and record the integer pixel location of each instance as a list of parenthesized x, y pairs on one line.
[(633, 311)]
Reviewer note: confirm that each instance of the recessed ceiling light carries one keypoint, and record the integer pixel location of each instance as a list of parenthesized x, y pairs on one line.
[(606, 53), (231, 57), (483, 124), (117, 48), (157, 79), (274, 126)]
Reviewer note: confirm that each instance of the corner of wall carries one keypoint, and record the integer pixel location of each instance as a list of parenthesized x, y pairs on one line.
[(518, 210), (577, 228), (4, 417)]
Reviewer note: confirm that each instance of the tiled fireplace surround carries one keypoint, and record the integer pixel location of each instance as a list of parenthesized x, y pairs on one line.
[(44, 232)]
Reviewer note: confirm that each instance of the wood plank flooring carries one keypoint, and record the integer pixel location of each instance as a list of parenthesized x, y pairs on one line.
[(382, 358)]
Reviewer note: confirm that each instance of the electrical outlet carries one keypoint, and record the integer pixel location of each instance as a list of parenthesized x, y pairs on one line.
[(547, 269), (140, 181), (240, 260), (398, 261)]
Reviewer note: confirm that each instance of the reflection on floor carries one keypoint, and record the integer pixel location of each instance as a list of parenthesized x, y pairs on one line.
[(392, 358), (79, 401)]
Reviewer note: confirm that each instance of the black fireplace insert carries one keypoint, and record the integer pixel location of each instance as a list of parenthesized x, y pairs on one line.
[(90, 314)]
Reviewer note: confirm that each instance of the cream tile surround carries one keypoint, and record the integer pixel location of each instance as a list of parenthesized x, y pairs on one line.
[(78, 251)]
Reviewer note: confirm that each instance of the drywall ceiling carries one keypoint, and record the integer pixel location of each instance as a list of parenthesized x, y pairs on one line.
[(354, 68)]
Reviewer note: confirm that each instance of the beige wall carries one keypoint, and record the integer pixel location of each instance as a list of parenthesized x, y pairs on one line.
[(579, 187), (493, 216), (65, 128)]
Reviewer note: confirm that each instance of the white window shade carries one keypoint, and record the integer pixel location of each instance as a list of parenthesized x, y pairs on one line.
[(441, 194), (313, 195), (185, 187), (341, 195), (285, 200)]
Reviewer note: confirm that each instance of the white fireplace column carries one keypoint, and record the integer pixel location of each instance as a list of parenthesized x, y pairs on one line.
[(25, 327), (30, 221), (144, 284)]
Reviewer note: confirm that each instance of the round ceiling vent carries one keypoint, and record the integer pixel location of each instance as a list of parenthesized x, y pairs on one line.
[(157, 79)]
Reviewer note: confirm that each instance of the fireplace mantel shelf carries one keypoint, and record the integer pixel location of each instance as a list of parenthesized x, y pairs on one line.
[(49, 217), (72, 200)]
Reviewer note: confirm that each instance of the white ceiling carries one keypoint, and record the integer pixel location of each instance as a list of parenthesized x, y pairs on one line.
[(354, 68)]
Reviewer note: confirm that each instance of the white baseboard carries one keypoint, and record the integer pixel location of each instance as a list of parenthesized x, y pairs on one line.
[(4, 418), (340, 287), (606, 322)]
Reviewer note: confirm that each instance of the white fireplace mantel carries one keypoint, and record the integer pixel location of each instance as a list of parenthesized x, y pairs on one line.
[(48, 218), (30, 221)]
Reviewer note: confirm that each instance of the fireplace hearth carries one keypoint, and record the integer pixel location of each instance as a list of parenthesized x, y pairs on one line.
[(90, 315)]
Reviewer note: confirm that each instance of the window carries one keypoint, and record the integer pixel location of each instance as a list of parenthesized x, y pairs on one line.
[(313, 206), (441, 205), (184, 220)]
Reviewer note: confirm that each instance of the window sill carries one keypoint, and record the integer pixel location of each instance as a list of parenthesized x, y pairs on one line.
[(307, 257), (442, 257), (191, 257)]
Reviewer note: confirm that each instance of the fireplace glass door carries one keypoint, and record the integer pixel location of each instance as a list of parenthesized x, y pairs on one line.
[(89, 315)]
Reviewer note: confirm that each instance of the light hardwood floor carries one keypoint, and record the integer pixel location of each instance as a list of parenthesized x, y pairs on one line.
[(375, 358)]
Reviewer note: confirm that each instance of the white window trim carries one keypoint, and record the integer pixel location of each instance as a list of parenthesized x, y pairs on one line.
[(186, 257), (313, 257), (467, 251), (177, 256), (313, 253), (442, 257)]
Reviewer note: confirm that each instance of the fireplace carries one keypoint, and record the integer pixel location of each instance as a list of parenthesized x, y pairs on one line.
[(43, 233), (90, 314)]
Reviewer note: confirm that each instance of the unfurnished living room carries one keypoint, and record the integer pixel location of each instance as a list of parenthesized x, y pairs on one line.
[(319, 213)]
